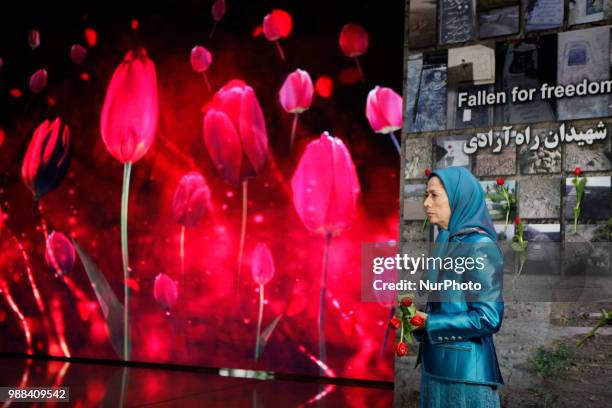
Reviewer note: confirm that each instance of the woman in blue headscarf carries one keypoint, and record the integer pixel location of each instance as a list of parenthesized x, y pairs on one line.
[(459, 363)]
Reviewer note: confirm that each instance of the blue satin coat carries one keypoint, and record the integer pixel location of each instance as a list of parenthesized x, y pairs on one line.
[(457, 343)]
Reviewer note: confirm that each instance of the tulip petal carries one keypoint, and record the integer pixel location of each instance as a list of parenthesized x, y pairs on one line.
[(253, 132), (223, 144), (262, 266)]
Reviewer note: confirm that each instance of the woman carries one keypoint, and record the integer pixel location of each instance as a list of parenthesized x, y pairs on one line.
[(459, 364)]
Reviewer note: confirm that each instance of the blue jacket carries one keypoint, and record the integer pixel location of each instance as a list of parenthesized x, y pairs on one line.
[(457, 341)]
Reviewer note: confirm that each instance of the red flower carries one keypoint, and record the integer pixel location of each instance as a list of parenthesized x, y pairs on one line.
[(427, 171), (47, 159), (354, 40), (577, 172), (78, 53), (191, 199), (38, 81), (235, 132), (500, 181), (60, 253), (296, 93), (395, 323), (401, 349), (325, 186), (417, 321), (384, 110), (201, 58), (165, 291), (262, 264), (406, 301), (517, 220), (218, 10), (129, 115), (277, 24)]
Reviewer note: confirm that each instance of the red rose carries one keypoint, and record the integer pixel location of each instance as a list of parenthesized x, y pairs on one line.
[(417, 321), (395, 323), (427, 172), (501, 181), (406, 301), (517, 220), (401, 349), (577, 171)]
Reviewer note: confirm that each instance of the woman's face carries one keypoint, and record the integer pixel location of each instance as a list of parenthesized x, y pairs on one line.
[(436, 203)]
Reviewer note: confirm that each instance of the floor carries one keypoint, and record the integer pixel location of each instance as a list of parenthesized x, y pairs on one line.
[(100, 385)]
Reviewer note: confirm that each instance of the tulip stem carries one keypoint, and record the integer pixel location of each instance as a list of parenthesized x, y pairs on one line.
[(395, 143), (127, 168), (280, 50), (322, 352), (182, 249), (22, 319), (359, 69), (384, 344), (242, 230), (206, 81), (212, 31), (293, 129), (259, 319)]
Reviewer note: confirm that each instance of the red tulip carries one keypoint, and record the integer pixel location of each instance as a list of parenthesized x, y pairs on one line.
[(191, 199), (134, 24), (577, 172), (277, 24), (427, 172), (401, 349), (201, 59), (218, 10), (395, 323), (353, 40), (47, 159), (500, 181), (406, 301), (296, 93), (60, 253), (325, 186), (91, 37), (384, 110), (129, 114), (34, 39), (165, 291), (78, 53), (517, 220), (262, 264), (38, 81), (417, 321), (235, 132), (324, 86)]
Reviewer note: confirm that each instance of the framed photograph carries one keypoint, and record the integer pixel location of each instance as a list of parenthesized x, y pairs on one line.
[(540, 160), (418, 157), (596, 201), (494, 198), (414, 195), (540, 197), (498, 22), (449, 152), (457, 21), (502, 163)]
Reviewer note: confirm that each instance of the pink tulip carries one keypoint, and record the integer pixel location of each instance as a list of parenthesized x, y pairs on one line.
[(191, 199), (296, 96), (129, 114), (325, 186), (78, 53), (165, 291), (235, 132), (46, 161), (276, 25), (201, 58), (296, 93), (384, 112), (34, 39), (262, 264), (218, 10), (38, 81), (354, 40), (60, 254)]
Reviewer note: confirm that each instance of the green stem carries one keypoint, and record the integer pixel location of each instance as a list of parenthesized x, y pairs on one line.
[(322, 294), (242, 230), (259, 319), (126, 263)]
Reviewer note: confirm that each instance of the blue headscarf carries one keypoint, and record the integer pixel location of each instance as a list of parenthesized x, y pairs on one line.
[(467, 203), (466, 199)]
